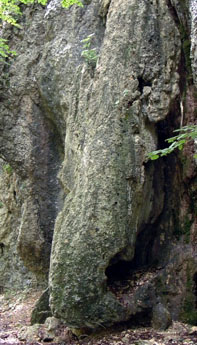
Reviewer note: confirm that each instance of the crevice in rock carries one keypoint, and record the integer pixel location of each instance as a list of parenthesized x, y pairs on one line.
[(181, 20), (143, 83), (118, 271), (48, 156), (173, 12), (2, 246), (124, 277), (144, 260), (165, 128), (140, 319), (103, 11), (46, 197)]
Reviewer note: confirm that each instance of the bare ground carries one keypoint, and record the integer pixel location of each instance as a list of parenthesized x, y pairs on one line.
[(15, 314)]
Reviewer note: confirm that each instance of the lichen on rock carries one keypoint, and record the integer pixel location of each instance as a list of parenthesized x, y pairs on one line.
[(77, 136), (104, 156)]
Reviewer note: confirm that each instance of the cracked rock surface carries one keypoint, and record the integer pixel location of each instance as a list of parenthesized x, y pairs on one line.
[(77, 137)]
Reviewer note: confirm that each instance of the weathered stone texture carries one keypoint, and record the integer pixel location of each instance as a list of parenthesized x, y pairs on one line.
[(13, 273), (30, 143), (193, 14), (107, 139), (94, 127)]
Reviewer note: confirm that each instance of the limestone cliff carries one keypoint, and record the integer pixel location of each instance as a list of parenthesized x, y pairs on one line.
[(76, 132)]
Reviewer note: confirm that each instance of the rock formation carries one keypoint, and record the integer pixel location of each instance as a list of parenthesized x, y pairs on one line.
[(75, 134)]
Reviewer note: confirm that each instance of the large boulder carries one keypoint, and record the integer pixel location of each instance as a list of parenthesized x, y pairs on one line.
[(88, 118), (109, 133)]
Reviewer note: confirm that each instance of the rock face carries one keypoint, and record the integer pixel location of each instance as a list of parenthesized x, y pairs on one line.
[(114, 212), (105, 151), (12, 270), (161, 317), (193, 15)]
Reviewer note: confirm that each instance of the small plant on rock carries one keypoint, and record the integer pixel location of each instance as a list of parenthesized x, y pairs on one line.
[(7, 169), (9, 13), (5, 51), (89, 54)]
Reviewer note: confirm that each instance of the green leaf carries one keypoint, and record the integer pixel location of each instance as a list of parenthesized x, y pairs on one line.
[(9, 10), (42, 2), (154, 157), (5, 51), (85, 40), (182, 142), (68, 3), (171, 140)]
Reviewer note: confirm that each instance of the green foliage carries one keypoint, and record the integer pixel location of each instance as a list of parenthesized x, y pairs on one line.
[(89, 55), (5, 50), (9, 10), (186, 134), (9, 13), (68, 3)]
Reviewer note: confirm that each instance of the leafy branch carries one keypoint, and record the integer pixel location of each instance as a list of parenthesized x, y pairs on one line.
[(10, 11), (186, 134), (5, 50)]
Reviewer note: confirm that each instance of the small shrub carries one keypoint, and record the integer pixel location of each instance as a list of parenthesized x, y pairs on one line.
[(89, 54), (10, 11), (5, 51)]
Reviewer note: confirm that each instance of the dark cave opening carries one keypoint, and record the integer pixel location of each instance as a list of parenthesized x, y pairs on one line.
[(122, 270), (140, 319), (147, 254), (143, 260), (148, 248), (165, 128), (153, 238)]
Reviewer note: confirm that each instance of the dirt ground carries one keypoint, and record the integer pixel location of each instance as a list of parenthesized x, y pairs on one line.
[(15, 314)]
